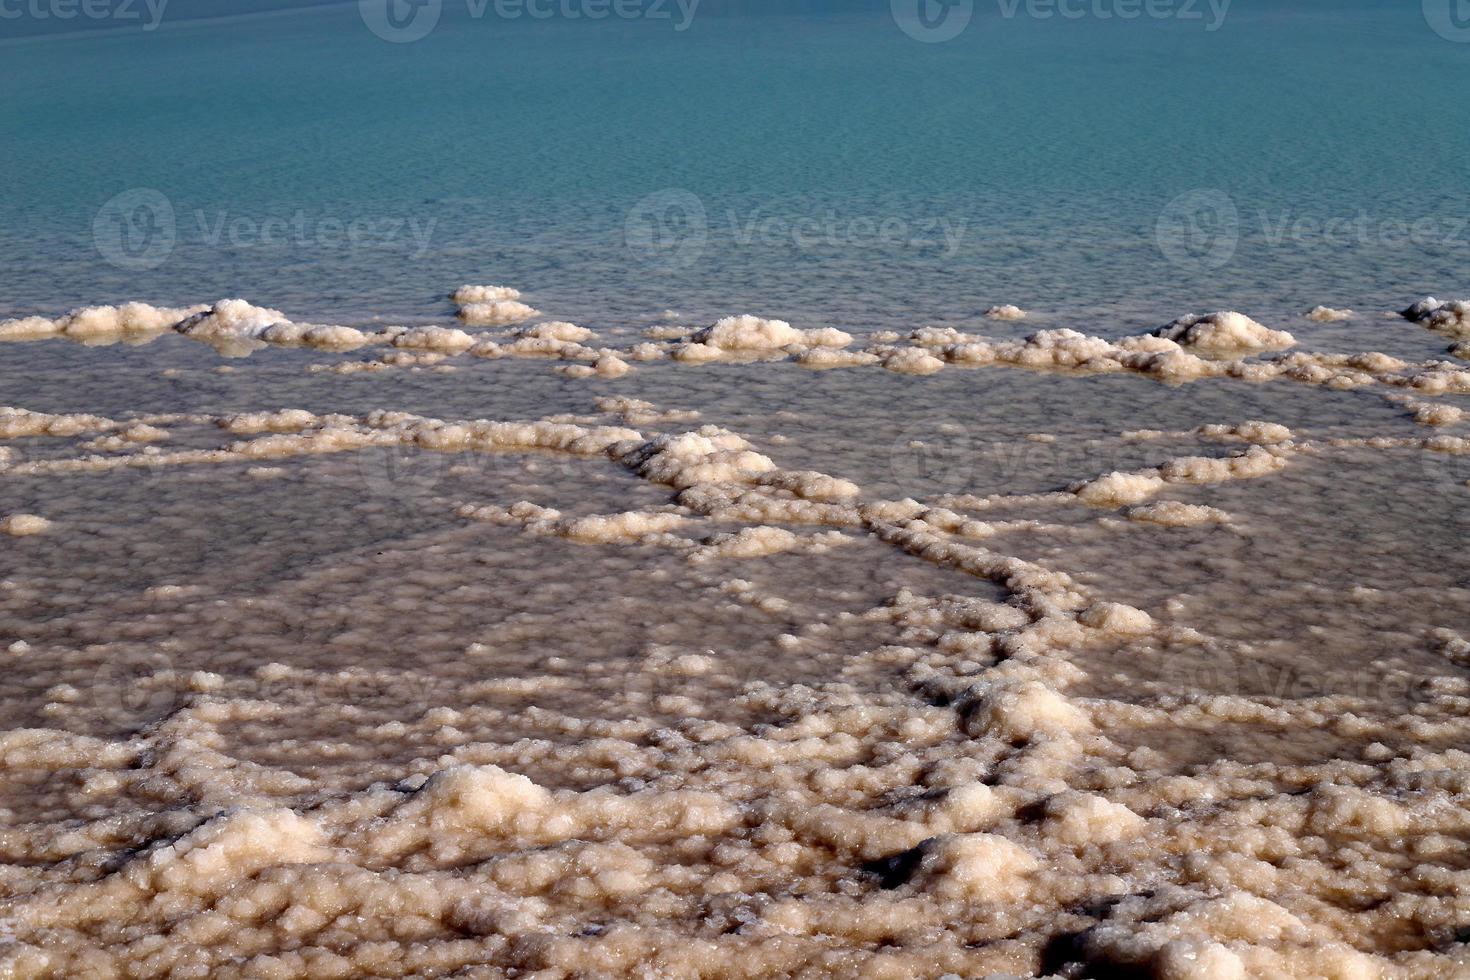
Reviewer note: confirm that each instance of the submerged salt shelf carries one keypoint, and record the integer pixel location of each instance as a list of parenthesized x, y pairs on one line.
[(1033, 647)]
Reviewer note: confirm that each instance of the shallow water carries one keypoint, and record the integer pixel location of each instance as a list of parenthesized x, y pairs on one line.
[(756, 160)]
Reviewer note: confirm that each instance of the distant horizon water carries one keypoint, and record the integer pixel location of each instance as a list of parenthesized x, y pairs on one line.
[(814, 161)]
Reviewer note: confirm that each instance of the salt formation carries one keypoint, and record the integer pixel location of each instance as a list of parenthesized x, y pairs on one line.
[(230, 319), (491, 306), (1256, 431), (233, 321), (495, 313), (911, 360), (1005, 312), (1230, 340), (467, 295), (823, 357), (319, 336), (823, 713), (607, 365), (747, 334), (24, 525), (1429, 312), (1172, 513), (447, 339), (556, 331), (631, 526), (1122, 488), (95, 322), (1434, 413), (1326, 314), (1225, 331)]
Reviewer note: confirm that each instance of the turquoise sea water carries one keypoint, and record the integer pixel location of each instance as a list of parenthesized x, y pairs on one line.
[(811, 161)]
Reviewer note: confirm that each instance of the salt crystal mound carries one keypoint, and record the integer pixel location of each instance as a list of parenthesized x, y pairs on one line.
[(496, 313), (230, 319), (206, 780), (1224, 331), (1005, 311), (1453, 317), (97, 322), (466, 295), (743, 335), (1326, 314), (235, 321), (324, 337), (1230, 340), (23, 525), (491, 306), (445, 339)]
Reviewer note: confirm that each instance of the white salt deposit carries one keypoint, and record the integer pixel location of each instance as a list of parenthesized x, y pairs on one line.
[(1453, 316), (750, 333), (1005, 311), (467, 295), (556, 330), (1224, 331), (1036, 667), (495, 313), (95, 322), (230, 319), (23, 525)]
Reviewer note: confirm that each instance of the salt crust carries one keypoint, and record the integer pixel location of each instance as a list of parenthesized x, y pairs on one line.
[(1232, 343), (23, 525), (858, 834)]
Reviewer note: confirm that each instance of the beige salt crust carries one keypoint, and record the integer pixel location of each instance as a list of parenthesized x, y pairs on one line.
[(1232, 344), (637, 688), (24, 525)]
